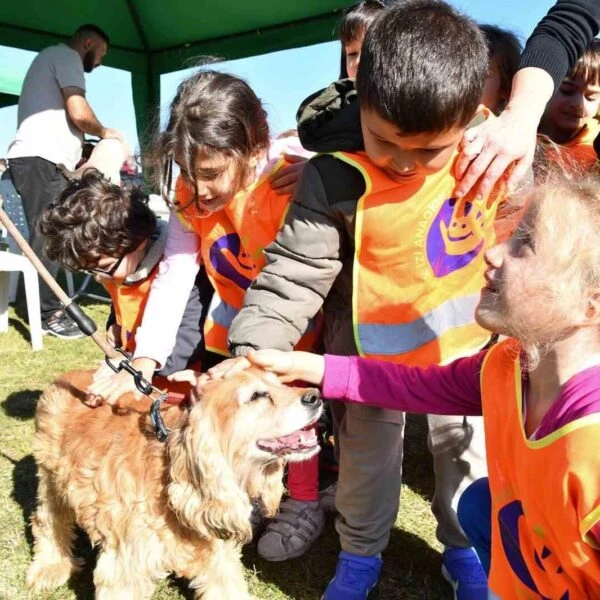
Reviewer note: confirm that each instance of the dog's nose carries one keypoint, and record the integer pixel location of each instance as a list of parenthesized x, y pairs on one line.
[(311, 398)]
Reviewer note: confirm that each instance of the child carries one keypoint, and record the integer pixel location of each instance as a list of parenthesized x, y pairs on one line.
[(332, 113), (538, 394), (377, 240), (351, 31), (504, 50), (98, 228), (225, 212), (569, 119)]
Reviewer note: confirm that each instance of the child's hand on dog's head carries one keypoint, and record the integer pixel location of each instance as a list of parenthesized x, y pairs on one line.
[(223, 370), (196, 380), (290, 366), (228, 368)]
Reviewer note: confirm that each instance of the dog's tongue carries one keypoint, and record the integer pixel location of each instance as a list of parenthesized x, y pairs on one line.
[(294, 442)]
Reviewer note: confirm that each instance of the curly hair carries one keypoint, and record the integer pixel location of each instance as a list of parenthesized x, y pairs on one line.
[(563, 219), (93, 219)]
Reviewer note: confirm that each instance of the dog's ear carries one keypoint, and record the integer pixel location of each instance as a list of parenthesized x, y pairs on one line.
[(198, 385), (203, 489), (266, 483)]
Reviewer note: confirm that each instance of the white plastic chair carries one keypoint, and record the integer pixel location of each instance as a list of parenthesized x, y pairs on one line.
[(12, 262)]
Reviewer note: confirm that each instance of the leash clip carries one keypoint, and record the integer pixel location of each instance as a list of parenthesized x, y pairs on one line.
[(146, 388), (160, 429)]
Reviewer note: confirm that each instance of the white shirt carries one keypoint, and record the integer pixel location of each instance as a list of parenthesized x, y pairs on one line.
[(44, 128)]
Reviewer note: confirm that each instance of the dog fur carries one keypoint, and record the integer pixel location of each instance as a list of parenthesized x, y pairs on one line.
[(181, 507)]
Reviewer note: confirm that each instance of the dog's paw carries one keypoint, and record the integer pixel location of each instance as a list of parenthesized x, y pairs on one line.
[(45, 577)]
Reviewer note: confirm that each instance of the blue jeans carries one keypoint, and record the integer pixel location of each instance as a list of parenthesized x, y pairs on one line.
[(475, 517)]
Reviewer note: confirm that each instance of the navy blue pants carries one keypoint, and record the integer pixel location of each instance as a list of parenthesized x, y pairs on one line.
[(475, 517)]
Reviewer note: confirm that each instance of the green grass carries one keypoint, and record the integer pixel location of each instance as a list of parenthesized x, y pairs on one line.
[(412, 561)]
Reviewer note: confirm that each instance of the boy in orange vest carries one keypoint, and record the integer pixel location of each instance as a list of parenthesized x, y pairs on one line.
[(96, 227), (570, 117), (376, 239)]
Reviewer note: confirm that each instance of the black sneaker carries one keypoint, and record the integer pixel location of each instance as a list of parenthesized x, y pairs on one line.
[(62, 326)]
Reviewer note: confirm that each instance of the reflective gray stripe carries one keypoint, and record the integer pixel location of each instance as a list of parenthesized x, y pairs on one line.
[(492, 596), (392, 338), (222, 314)]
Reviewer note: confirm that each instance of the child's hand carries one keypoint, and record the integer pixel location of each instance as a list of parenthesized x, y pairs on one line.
[(196, 379), (228, 368), (187, 376), (110, 387), (290, 366), (223, 370), (102, 372), (284, 181)]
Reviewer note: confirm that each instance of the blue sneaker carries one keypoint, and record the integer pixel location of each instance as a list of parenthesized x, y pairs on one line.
[(463, 571), (355, 577)]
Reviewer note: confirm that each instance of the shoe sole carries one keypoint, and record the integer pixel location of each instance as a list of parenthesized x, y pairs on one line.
[(297, 553), (448, 578), (374, 593)]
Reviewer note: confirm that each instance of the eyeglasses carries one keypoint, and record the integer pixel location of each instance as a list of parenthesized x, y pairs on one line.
[(103, 273)]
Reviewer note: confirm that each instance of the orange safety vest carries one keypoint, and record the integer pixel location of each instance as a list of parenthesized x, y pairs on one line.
[(545, 493), (232, 243), (577, 153), (581, 147), (129, 302), (418, 267)]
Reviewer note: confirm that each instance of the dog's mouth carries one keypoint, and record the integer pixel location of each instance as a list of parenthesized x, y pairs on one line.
[(303, 441)]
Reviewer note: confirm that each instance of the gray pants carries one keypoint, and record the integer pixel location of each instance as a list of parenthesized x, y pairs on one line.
[(370, 442)]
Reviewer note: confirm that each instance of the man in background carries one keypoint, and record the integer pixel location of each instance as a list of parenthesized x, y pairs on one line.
[(53, 117)]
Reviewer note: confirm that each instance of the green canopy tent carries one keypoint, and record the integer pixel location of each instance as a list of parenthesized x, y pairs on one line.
[(152, 37)]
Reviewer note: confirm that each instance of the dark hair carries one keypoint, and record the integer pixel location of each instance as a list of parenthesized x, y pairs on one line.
[(588, 65), (88, 28), (212, 113), (356, 19), (93, 218), (423, 67), (505, 48)]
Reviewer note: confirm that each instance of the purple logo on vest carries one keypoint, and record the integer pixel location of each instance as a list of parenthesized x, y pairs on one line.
[(226, 251), (510, 518), (455, 236)]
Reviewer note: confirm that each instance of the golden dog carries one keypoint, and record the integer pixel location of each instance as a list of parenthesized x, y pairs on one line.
[(180, 507)]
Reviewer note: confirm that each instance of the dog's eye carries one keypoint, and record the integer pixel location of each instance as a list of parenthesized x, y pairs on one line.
[(259, 395)]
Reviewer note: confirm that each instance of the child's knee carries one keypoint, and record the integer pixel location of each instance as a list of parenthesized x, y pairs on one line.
[(475, 506)]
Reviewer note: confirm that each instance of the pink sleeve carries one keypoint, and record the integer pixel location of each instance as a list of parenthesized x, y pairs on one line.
[(287, 145), (155, 338), (594, 532), (453, 389)]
